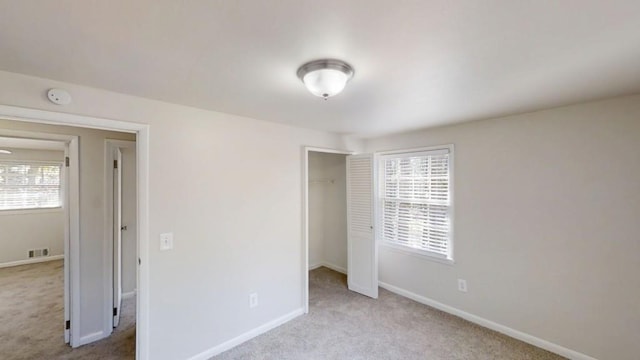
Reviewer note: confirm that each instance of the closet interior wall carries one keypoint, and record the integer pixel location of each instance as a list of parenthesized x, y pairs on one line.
[(327, 211)]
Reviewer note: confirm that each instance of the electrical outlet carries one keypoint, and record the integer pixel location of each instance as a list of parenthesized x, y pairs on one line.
[(462, 285), (253, 300)]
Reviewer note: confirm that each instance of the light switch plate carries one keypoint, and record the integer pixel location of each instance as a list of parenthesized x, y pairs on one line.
[(462, 285), (166, 241), (253, 300)]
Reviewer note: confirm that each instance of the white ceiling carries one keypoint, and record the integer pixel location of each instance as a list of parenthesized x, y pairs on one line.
[(417, 63)]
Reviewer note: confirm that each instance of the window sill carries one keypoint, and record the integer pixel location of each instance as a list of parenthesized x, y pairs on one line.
[(416, 253), (30, 211)]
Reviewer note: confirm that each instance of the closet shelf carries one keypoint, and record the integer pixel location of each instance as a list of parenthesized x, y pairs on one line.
[(322, 181)]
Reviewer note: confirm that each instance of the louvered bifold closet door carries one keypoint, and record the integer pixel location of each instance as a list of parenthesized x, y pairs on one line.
[(363, 255)]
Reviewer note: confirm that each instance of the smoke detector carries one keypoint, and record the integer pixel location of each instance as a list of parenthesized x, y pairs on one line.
[(59, 96)]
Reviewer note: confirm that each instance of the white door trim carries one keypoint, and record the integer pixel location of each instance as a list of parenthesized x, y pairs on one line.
[(116, 238), (142, 153), (72, 243), (305, 216)]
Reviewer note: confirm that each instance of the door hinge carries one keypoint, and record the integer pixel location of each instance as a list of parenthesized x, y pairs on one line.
[(115, 164), (66, 161), (67, 325), (115, 311)]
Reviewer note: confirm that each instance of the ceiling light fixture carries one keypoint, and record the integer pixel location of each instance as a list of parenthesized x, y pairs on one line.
[(3, 151), (325, 78)]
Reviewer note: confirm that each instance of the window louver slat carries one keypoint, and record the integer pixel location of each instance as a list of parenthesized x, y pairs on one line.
[(29, 185), (416, 201)]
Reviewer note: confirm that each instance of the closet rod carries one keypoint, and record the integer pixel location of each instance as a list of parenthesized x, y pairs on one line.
[(322, 181)]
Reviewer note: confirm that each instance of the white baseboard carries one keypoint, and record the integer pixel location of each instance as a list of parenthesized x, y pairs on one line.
[(544, 344), (129, 294), (98, 335), (227, 345), (31, 261), (333, 267)]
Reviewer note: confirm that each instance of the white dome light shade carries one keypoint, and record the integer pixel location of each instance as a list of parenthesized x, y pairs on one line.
[(325, 78), (325, 82)]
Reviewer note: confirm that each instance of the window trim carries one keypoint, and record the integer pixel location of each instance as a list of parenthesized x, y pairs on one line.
[(34, 210), (379, 158)]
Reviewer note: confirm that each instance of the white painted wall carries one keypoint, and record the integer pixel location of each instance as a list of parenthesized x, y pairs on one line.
[(335, 235), (327, 210), (228, 187), (23, 230), (546, 225), (37, 155)]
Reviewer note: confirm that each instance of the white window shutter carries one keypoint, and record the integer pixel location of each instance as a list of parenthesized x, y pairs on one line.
[(363, 255)]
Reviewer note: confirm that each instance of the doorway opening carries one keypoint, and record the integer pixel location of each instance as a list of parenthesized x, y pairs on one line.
[(39, 189), (327, 209), (323, 173), (338, 220), (34, 234), (28, 120), (122, 203)]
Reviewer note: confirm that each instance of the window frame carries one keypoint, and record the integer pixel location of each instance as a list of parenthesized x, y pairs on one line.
[(61, 192), (379, 203)]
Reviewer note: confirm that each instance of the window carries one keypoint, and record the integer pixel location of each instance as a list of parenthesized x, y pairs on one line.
[(415, 201), (29, 185)]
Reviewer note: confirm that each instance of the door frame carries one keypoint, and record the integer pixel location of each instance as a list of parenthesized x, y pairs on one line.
[(142, 157), (110, 146), (71, 209), (305, 216)]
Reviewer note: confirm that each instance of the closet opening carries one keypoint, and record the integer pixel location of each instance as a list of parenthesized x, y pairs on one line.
[(326, 218)]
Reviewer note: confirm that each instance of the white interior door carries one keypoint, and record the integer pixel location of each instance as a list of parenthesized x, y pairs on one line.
[(117, 236), (362, 269), (128, 225)]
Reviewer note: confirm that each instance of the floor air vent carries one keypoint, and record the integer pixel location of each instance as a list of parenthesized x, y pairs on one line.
[(38, 253)]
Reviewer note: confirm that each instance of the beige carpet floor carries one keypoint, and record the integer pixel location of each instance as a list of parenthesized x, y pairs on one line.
[(344, 325), (32, 313)]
